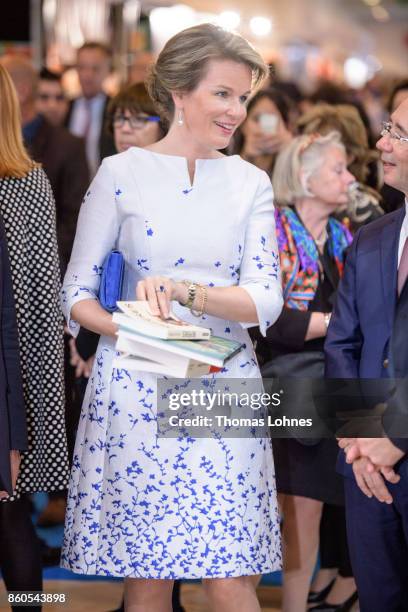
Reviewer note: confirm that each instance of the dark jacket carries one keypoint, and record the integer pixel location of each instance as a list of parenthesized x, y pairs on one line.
[(64, 160), (359, 339), (13, 430), (106, 142)]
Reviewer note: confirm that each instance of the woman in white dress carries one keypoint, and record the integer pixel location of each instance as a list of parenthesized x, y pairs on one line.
[(142, 507)]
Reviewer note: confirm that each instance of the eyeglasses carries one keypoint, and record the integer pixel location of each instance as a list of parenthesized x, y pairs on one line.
[(44, 97), (387, 130), (136, 122)]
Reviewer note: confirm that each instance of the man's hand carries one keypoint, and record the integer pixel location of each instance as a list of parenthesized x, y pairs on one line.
[(351, 448), (370, 481), (353, 451), (15, 460), (380, 451)]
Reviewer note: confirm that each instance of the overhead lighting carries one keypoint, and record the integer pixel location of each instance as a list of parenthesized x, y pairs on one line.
[(372, 2), (260, 26), (131, 12), (356, 72), (229, 20), (380, 13), (165, 22)]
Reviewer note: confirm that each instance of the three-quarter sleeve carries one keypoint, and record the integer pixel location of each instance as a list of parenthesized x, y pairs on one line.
[(96, 235), (260, 271)]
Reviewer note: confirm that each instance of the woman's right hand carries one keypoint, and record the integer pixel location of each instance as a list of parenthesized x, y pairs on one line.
[(159, 291), (262, 143)]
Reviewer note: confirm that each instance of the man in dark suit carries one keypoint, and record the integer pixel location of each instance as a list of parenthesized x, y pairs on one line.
[(368, 338), (87, 114), (51, 101)]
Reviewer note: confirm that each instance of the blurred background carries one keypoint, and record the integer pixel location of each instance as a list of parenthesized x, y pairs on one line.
[(359, 44)]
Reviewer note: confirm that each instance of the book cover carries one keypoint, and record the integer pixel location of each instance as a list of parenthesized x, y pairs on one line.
[(155, 361), (215, 351), (140, 319)]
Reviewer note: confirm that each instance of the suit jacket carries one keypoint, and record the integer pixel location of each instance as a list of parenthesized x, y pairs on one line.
[(106, 142), (359, 338), (13, 429), (64, 160)]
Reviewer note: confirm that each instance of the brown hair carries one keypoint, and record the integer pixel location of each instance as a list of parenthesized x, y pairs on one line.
[(345, 119), (134, 98), (94, 45), (182, 63), (14, 159)]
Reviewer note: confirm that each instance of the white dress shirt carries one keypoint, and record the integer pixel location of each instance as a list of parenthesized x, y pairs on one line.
[(78, 126), (403, 233)]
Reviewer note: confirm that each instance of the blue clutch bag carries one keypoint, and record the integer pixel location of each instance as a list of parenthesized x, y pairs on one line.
[(110, 289)]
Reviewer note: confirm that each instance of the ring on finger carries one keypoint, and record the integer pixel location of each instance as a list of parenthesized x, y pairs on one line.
[(161, 289)]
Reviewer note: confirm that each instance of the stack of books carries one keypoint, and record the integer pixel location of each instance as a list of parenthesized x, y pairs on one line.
[(171, 347)]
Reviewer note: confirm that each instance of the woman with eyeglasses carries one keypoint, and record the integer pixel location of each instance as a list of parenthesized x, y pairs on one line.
[(132, 120)]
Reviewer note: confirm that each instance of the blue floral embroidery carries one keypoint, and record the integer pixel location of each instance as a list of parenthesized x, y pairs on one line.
[(142, 264), (97, 269)]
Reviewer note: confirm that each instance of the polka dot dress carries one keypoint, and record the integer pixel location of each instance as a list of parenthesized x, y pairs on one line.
[(28, 210)]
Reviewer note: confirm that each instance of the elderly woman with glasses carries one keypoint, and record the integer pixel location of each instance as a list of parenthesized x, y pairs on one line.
[(132, 119)]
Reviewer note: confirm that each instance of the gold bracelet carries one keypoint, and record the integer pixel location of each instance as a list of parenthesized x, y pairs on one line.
[(191, 293), (204, 295)]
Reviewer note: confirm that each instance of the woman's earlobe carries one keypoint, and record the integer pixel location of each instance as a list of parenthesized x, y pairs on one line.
[(177, 98), (304, 180)]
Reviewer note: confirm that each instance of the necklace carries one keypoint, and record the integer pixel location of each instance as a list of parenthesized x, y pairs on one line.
[(322, 239)]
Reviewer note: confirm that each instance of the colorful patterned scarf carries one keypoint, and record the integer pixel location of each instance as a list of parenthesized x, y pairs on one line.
[(299, 256)]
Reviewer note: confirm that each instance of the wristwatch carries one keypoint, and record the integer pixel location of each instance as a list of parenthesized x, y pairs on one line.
[(191, 293)]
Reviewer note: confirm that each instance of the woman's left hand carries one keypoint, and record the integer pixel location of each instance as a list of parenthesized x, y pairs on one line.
[(159, 291)]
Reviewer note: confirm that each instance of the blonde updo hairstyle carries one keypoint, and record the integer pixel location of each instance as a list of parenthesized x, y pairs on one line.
[(297, 162), (182, 63), (346, 120)]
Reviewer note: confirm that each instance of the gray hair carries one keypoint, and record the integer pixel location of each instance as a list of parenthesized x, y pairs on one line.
[(297, 162)]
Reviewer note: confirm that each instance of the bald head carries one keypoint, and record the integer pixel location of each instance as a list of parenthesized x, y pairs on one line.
[(24, 77)]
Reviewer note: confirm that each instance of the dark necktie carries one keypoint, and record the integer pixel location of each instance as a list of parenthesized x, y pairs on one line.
[(403, 268)]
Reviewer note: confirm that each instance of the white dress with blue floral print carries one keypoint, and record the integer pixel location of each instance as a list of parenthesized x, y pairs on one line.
[(150, 507)]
